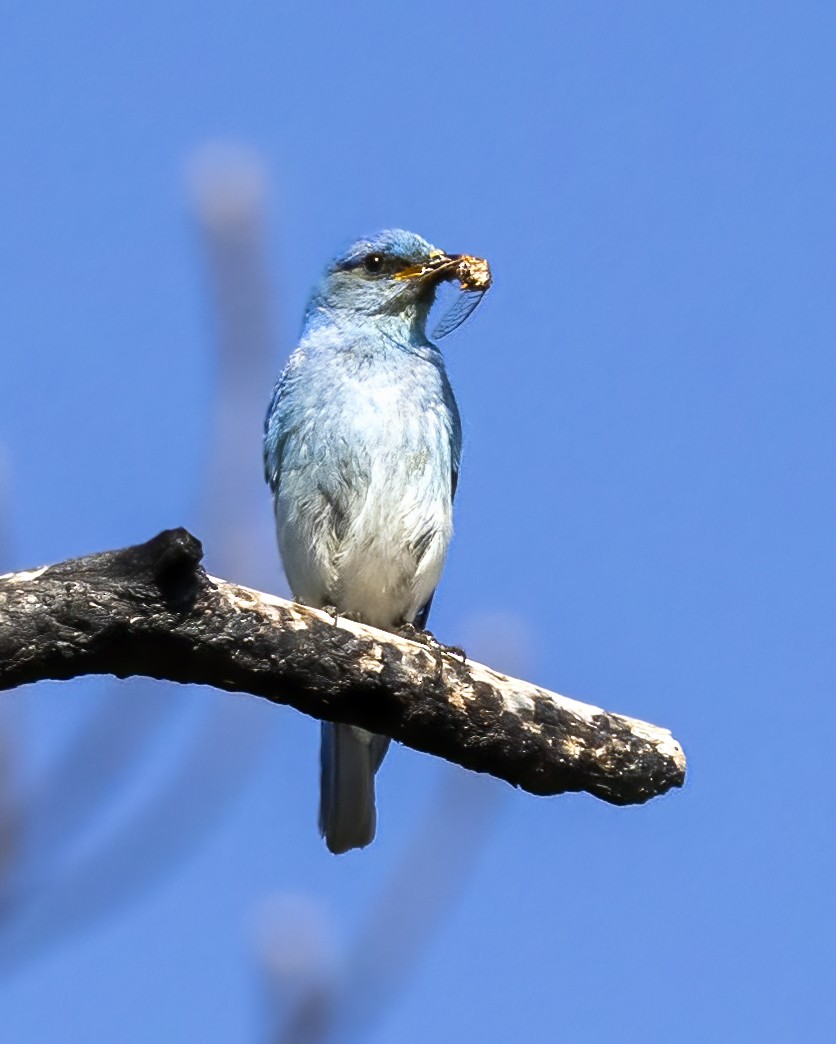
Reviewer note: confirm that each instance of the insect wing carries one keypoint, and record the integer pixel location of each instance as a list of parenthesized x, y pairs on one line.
[(461, 310)]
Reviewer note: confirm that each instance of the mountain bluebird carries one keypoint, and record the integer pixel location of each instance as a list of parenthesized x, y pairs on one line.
[(361, 451)]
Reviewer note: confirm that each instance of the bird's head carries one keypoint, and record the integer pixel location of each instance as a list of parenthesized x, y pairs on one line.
[(391, 277)]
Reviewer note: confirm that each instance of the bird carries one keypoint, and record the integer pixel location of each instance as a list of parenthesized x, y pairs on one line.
[(362, 447)]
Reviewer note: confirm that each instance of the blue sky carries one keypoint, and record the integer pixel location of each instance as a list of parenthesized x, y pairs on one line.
[(644, 520)]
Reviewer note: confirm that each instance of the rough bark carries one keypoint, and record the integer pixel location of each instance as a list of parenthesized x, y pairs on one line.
[(152, 610)]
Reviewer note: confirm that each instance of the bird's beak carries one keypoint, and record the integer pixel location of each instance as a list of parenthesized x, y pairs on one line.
[(438, 265), (472, 272)]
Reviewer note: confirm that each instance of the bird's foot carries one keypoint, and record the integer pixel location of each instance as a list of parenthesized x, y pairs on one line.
[(340, 614), (427, 638), (455, 650)]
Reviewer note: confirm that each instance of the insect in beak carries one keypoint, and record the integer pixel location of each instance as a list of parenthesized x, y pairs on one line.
[(472, 273), (474, 278)]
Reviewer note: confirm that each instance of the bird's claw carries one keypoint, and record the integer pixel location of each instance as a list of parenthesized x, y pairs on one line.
[(455, 650), (428, 639), (413, 633)]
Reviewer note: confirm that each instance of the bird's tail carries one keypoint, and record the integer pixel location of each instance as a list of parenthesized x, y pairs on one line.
[(349, 758)]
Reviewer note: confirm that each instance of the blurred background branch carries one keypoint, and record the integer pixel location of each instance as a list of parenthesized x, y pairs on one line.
[(89, 847)]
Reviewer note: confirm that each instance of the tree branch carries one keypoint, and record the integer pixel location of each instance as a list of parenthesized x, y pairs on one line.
[(152, 610)]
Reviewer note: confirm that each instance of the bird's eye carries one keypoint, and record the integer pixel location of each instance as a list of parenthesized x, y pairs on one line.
[(373, 263)]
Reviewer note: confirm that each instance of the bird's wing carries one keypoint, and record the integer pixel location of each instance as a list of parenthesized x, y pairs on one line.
[(455, 438), (275, 434), (423, 613)]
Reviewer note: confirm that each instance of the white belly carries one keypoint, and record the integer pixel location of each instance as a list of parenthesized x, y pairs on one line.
[(373, 543)]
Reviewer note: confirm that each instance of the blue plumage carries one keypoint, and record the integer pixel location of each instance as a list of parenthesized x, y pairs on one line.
[(361, 451)]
